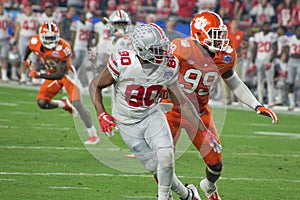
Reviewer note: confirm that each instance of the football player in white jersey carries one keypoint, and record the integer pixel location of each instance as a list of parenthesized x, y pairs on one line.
[(48, 15), (280, 66), (264, 52), (80, 39), (5, 21), (292, 53), (138, 77), (26, 27), (101, 30), (119, 24)]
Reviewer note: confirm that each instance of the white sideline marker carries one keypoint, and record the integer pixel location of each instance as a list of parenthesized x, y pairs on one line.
[(296, 135), (67, 187)]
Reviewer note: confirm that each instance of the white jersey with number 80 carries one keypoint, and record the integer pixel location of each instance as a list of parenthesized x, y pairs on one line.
[(136, 97)]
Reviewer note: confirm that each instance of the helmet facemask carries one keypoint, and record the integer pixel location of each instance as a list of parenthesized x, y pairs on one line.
[(119, 23), (49, 40), (217, 40)]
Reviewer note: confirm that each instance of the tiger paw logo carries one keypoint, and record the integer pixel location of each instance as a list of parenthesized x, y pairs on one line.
[(200, 23)]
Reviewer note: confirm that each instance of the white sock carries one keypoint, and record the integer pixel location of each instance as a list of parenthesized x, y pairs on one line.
[(92, 131), (23, 77), (4, 74), (165, 170), (14, 72), (179, 188), (292, 99), (59, 103)]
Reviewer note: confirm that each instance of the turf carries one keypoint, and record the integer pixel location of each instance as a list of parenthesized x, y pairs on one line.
[(43, 157)]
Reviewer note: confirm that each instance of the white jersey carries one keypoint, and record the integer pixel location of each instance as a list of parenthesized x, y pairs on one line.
[(28, 24), (294, 44), (102, 30), (44, 18), (83, 31), (5, 20), (264, 45), (281, 42), (109, 46), (136, 89)]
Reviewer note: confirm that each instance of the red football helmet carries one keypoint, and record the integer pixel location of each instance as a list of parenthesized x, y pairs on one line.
[(49, 35), (209, 30)]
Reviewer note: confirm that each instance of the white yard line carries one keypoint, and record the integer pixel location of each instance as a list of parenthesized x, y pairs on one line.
[(140, 197), (118, 149), (67, 187), (294, 135), (142, 176), (7, 179)]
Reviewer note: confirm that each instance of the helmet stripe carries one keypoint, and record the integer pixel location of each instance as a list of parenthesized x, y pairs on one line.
[(160, 31), (120, 14), (49, 27)]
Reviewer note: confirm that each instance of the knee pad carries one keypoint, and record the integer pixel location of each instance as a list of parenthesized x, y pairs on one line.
[(215, 169), (165, 157)]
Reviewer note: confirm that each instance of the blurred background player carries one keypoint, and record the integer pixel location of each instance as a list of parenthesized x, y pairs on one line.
[(280, 67), (48, 15), (292, 54), (65, 23), (26, 26), (56, 53), (119, 25), (81, 42), (5, 21), (264, 53), (198, 56), (101, 30), (138, 77), (170, 31)]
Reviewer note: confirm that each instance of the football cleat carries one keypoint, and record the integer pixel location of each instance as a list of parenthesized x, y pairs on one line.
[(193, 192), (93, 140), (210, 193), (69, 107)]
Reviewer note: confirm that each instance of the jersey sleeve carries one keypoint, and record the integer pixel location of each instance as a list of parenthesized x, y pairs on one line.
[(64, 51), (113, 65), (34, 43), (225, 60), (172, 70)]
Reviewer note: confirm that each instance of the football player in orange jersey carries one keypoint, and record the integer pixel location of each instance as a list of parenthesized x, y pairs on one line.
[(55, 53), (203, 56)]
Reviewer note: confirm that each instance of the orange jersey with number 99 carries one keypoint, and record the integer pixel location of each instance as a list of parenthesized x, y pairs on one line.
[(50, 57), (200, 70)]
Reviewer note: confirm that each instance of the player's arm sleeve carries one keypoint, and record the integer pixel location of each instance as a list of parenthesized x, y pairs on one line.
[(27, 53), (113, 66), (241, 91)]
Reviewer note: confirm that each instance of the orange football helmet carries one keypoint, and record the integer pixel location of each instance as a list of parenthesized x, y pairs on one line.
[(49, 35), (209, 30)]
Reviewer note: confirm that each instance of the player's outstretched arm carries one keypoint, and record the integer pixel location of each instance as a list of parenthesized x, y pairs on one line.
[(242, 92), (106, 121)]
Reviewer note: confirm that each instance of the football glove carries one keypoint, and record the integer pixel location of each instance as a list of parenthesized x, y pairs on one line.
[(34, 74), (107, 123), (261, 110), (212, 141)]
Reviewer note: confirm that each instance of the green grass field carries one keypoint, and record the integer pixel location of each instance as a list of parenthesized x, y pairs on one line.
[(42, 156)]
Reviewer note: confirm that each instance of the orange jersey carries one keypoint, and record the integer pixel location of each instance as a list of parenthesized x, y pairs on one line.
[(199, 71), (50, 57)]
